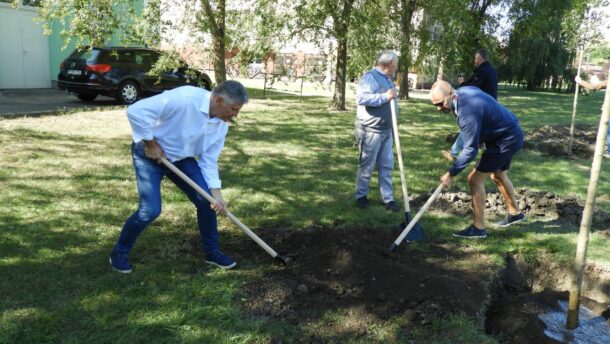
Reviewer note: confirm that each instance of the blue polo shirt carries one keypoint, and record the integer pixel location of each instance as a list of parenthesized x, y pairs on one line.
[(483, 120)]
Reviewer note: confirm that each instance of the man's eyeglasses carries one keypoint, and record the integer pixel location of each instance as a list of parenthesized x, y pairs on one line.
[(440, 104)]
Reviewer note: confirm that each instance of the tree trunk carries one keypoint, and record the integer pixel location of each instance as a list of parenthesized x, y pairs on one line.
[(341, 29), (407, 7), (218, 58), (340, 74), (571, 141), (440, 74), (216, 22), (587, 215)]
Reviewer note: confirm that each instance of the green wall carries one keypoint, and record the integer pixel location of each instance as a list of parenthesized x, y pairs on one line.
[(56, 43)]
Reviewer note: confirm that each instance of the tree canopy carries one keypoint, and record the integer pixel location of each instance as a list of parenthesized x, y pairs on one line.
[(536, 49)]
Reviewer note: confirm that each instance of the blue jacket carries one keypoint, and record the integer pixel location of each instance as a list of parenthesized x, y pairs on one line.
[(485, 78), (373, 112), (483, 120)]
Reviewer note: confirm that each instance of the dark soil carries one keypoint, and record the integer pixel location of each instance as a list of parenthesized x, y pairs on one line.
[(553, 140), (352, 271), (513, 315), (535, 204)]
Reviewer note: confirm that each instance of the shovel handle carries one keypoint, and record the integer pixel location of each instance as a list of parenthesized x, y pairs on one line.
[(212, 200), (403, 180), (416, 218)]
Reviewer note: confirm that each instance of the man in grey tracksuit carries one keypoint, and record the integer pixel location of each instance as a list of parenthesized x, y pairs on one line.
[(374, 130)]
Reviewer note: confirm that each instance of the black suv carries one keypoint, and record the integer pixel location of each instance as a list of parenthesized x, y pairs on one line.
[(121, 72)]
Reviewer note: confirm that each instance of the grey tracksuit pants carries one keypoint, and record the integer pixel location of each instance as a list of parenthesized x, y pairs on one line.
[(374, 148)]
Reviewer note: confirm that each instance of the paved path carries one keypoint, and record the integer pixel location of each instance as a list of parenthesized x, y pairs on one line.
[(18, 102)]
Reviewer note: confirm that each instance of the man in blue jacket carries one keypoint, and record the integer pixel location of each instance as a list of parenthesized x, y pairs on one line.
[(374, 130), (482, 120), (484, 77)]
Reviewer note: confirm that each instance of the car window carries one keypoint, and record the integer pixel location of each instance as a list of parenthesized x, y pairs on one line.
[(91, 56), (122, 56), (147, 58), (126, 56)]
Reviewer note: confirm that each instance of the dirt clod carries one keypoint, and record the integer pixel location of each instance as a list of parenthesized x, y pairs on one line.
[(553, 140), (537, 204)]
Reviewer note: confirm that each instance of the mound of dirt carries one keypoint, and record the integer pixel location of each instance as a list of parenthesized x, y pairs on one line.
[(352, 271), (553, 140), (537, 204)]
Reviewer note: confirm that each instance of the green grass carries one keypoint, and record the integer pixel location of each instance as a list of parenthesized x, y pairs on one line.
[(68, 185)]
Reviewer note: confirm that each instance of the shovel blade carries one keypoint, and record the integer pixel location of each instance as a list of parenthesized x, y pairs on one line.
[(416, 233)]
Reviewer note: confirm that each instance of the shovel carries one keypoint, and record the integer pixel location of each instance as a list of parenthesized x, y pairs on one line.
[(419, 214), (418, 232), (231, 217)]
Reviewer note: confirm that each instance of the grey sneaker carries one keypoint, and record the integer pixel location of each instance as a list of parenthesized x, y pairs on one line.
[(511, 220), (471, 232)]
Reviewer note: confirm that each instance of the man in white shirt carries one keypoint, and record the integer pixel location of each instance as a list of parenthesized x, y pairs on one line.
[(186, 125)]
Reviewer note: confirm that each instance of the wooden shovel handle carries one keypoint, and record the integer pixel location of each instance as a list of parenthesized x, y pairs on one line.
[(211, 199)]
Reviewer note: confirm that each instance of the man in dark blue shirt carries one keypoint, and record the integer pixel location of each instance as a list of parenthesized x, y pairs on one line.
[(484, 77), (482, 120)]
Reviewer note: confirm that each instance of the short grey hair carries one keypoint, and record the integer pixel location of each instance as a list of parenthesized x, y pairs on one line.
[(484, 53), (233, 92), (387, 56)]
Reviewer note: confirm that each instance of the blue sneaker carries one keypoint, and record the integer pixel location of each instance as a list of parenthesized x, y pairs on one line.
[(471, 232), (511, 220), (120, 262), (220, 259)]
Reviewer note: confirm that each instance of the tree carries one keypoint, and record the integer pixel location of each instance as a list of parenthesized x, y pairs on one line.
[(587, 216), (212, 20), (582, 26), (331, 19), (260, 28), (543, 41), (451, 32), (406, 11), (85, 22)]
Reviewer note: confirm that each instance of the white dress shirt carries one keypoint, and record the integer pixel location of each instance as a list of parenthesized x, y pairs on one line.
[(179, 121)]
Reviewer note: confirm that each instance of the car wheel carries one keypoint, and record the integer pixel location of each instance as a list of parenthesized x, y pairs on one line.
[(86, 97), (128, 92)]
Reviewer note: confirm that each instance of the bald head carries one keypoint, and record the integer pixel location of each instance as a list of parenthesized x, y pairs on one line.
[(439, 91), (441, 94)]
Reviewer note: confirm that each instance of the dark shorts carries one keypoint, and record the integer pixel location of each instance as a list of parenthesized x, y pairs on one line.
[(498, 156)]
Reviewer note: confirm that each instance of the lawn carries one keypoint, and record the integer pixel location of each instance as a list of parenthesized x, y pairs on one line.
[(288, 164)]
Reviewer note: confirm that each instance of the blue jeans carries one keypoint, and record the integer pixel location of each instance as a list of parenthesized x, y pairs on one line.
[(458, 145), (149, 175), (375, 149)]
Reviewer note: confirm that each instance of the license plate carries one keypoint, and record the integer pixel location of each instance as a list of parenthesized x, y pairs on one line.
[(74, 72)]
